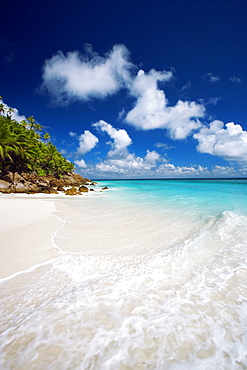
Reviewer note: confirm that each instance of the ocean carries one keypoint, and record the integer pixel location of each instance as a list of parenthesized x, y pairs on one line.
[(150, 274)]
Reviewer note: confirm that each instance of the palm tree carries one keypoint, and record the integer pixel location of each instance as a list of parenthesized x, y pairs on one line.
[(9, 113), (2, 108), (46, 137), (22, 150), (8, 145)]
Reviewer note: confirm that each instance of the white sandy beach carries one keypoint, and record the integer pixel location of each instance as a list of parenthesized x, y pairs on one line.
[(26, 227), (146, 278)]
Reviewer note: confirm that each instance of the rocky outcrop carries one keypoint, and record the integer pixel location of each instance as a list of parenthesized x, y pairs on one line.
[(60, 188), (49, 191), (4, 187), (26, 187), (83, 189), (71, 179), (72, 191), (18, 187), (30, 183)]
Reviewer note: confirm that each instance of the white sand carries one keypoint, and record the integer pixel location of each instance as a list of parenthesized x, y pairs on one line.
[(26, 227)]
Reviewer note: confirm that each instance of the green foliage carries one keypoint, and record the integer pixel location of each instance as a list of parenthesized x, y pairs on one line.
[(22, 150)]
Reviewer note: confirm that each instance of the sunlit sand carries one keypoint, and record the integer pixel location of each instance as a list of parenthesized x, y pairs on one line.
[(26, 227)]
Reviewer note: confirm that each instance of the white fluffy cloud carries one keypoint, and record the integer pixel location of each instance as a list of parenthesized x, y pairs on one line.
[(152, 110), (81, 163), (121, 139), (87, 141), (138, 167), (119, 159), (130, 164), (229, 142), (223, 171), (170, 170), (81, 77)]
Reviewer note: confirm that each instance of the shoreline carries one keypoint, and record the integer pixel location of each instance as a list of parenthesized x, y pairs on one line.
[(27, 226)]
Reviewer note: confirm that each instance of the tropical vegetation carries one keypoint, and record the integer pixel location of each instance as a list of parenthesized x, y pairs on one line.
[(23, 148)]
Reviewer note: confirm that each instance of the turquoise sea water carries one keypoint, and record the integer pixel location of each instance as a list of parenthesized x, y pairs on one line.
[(215, 195), (150, 274)]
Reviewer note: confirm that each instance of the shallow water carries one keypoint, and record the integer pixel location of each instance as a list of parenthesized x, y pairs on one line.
[(151, 275)]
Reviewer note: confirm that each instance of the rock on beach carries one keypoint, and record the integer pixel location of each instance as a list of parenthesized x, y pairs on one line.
[(30, 183)]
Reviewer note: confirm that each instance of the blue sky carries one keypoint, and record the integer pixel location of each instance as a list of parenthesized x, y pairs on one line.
[(128, 89)]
